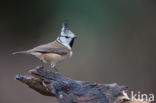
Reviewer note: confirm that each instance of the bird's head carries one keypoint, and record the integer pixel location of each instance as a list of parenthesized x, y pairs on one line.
[(66, 37)]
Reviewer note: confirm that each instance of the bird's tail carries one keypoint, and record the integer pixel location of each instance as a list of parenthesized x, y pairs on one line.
[(20, 52)]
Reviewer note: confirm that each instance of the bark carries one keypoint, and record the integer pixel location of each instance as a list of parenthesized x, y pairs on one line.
[(67, 90)]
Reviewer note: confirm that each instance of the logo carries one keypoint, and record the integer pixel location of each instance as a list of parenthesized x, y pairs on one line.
[(141, 97)]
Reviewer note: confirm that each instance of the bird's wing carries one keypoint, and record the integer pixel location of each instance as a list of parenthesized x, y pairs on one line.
[(50, 49)]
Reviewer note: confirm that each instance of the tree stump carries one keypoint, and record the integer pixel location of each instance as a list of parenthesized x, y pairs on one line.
[(67, 90)]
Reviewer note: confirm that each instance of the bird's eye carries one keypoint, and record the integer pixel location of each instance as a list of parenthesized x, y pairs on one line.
[(66, 37)]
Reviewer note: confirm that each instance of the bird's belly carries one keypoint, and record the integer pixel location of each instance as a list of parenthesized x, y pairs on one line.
[(51, 57)]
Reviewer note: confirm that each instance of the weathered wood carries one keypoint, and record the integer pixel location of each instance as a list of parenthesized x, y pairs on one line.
[(70, 91)]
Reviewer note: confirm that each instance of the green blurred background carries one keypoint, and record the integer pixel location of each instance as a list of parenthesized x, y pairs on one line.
[(116, 43)]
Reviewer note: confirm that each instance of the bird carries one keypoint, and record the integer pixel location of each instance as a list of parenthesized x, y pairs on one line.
[(55, 51)]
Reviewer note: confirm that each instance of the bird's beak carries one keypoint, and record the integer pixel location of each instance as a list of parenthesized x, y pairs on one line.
[(75, 37)]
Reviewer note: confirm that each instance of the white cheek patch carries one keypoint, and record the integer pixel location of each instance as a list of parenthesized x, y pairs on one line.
[(65, 41), (70, 34)]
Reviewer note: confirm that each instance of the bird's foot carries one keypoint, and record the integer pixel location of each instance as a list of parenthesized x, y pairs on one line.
[(56, 70)]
